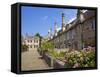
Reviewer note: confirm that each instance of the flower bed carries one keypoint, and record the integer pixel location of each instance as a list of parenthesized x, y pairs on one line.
[(80, 59), (74, 59), (69, 58)]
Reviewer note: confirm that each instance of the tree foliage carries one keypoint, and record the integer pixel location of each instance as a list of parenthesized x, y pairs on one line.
[(24, 47), (47, 46)]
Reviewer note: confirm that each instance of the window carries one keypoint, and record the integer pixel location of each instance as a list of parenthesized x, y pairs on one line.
[(73, 33), (67, 35), (70, 34), (93, 24), (28, 41), (35, 46), (35, 41), (31, 41)]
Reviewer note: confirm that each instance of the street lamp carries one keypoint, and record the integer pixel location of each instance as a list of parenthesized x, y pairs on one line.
[(81, 17)]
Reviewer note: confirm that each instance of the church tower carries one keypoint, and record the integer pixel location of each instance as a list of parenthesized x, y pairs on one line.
[(63, 24)]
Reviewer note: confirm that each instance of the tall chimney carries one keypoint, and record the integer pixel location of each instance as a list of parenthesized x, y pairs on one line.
[(55, 29), (63, 25)]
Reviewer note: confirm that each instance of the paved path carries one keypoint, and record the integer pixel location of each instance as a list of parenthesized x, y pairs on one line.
[(31, 60)]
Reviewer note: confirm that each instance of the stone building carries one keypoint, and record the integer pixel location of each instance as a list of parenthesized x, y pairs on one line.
[(31, 41), (89, 29), (77, 34)]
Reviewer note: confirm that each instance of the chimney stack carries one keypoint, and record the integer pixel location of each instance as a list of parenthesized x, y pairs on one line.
[(63, 25), (55, 29)]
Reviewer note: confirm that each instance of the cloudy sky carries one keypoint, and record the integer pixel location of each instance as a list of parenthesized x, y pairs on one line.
[(40, 20)]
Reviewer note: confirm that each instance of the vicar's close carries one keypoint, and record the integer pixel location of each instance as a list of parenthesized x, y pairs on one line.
[(78, 34)]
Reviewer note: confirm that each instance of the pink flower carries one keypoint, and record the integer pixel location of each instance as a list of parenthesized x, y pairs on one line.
[(76, 65)]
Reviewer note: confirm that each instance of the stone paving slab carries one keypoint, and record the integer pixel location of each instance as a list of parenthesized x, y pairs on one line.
[(31, 60)]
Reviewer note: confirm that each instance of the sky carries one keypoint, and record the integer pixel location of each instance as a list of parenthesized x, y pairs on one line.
[(40, 20)]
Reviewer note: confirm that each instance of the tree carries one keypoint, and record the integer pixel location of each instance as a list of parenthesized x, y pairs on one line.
[(38, 35), (24, 47), (40, 38), (47, 46)]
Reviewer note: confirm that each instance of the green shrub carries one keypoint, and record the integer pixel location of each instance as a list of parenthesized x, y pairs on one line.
[(24, 47), (47, 46)]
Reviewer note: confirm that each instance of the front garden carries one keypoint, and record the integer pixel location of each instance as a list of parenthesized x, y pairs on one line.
[(68, 58)]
